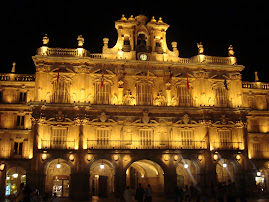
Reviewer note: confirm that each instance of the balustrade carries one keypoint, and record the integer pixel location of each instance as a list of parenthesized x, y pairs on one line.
[(57, 144), (144, 144), (228, 145)]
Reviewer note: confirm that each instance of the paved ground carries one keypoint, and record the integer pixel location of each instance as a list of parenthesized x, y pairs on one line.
[(96, 199)]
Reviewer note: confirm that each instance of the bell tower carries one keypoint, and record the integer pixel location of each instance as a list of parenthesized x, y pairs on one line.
[(139, 39)]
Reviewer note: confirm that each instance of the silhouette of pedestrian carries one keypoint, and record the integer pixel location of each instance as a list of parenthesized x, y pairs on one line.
[(139, 194), (148, 194)]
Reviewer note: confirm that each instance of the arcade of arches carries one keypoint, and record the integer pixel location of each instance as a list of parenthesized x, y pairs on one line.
[(103, 175)]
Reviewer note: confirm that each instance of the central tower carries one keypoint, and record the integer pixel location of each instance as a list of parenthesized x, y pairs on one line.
[(139, 39)]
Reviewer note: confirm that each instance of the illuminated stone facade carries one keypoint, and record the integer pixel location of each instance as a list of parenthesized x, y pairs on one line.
[(137, 112)]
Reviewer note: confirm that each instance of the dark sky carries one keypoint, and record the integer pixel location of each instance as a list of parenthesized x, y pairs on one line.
[(215, 23)]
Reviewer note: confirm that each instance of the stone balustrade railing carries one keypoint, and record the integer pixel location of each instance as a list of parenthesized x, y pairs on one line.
[(255, 85), (16, 77), (80, 52)]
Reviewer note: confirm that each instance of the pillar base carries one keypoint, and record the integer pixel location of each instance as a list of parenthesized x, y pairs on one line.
[(79, 186)]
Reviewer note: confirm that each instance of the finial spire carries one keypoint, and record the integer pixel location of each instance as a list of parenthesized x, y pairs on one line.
[(13, 67), (200, 48), (231, 51), (80, 41), (45, 40), (256, 76)]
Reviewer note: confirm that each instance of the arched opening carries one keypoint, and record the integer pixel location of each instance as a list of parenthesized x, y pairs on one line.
[(224, 170), (15, 176), (58, 177), (102, 178), (145, 172), (186, 173)]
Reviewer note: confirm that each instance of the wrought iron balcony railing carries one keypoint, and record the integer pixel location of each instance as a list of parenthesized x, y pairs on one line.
[(228, 145), (54, 144), (145, 144)]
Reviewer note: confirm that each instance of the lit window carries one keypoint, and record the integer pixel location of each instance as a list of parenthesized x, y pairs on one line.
[(17, 148), (20, 121), (144, 94), (221, 96), (102, 94), (184, 96), (61, 92)]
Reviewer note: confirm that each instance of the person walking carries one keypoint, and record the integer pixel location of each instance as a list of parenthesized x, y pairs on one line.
[(19, 195), (127, 195), (139, 194), (148, 194)]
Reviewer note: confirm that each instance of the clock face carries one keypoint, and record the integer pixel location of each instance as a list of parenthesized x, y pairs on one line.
[(143, 57)]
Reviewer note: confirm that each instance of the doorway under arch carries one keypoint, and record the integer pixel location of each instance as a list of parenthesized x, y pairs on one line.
[(145, 172), (224, 170), (102, 178), (15, 176), (58, 177), (186, 173)]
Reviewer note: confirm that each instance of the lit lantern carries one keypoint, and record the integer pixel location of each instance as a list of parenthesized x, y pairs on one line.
[(186, 165), (71, 157), (2, 167), (58, 165), (224, 165)]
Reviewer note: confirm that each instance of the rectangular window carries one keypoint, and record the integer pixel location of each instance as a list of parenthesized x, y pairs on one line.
[(225, 137), (59, 136), (102, 94), (61, 92), (256, 147), (187, 139), (103, 136), (20, 121), (146, 137), (23, 97), (184, 96), (144, 94), (17, 148), (221, 96)]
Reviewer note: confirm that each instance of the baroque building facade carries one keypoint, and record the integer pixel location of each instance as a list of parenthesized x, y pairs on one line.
[(90, 124)]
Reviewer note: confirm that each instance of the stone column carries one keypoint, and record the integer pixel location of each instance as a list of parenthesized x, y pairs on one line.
[(79, 186), (2, 184), (170, 180), (119, 179)]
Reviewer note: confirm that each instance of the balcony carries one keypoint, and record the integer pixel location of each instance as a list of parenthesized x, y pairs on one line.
[(52, 144), (228, 145), (145, 144), (17, 77), (255, 85)]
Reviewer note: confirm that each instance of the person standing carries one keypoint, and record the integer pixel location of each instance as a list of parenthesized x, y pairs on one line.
[(127, 195), (19, 195), (139, 194), (148, 194)]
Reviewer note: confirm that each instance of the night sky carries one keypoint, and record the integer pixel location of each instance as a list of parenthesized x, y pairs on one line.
[(217, 24)]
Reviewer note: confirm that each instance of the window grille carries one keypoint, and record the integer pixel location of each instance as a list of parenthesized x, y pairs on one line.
[(144, 94), (59, 136), (184, 96), (102, 94)]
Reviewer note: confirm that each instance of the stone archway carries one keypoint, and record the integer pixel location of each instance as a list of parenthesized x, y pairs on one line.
[(14, 177), (58, 177), (186, 173), (102, 178), (146, 172), (225, 170)]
